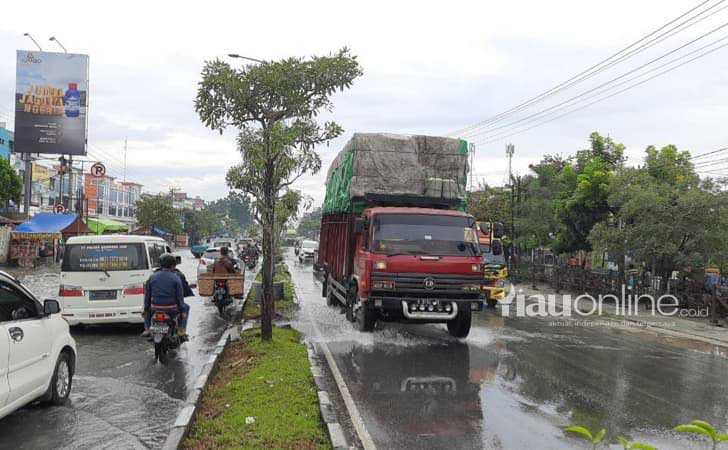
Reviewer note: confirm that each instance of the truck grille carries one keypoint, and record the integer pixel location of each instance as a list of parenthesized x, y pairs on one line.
[(426, 284)]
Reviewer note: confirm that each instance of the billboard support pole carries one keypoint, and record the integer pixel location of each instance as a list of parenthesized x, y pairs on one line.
[(27, 180), (71, 186)]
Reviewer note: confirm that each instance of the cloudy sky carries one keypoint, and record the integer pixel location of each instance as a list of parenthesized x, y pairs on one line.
[(429, 67)]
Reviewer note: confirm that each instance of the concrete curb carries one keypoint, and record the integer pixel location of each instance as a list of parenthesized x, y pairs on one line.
[(183, 422), (336, 432)]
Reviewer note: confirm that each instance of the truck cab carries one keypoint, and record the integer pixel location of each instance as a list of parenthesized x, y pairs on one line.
[(408, 264)]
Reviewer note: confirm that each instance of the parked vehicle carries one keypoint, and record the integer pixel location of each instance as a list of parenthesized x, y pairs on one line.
[(102, 277), (307, 250), (198, 250), (164, 334), (496, 270), (397, 247), (208, 259), (224, 242), (37, 352)]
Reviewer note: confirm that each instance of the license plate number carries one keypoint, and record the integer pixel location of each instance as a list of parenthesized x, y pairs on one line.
[(102, 295), (159, 329)]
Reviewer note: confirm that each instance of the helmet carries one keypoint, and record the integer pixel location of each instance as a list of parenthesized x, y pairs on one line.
[(224, 251), (167, 260)]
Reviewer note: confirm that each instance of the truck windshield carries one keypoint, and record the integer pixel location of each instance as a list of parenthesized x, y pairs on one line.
[(424, 234), (104, 257)]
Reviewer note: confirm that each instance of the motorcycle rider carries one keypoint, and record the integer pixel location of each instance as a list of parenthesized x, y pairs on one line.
[(165, 290), (224, 263)]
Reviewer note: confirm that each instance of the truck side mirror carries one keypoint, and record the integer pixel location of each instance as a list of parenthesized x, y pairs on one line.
[(498, 230), (359, 225)]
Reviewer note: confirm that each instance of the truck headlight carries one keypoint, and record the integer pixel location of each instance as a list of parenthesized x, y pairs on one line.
[(476, 267), (380, 265)]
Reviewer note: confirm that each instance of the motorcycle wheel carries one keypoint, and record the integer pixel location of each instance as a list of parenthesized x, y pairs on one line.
[(160, 352)]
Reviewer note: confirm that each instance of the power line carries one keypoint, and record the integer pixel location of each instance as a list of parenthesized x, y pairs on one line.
[(600, 89), (500, 137), (596, 68)]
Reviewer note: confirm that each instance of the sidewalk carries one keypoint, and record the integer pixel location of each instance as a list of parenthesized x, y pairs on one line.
[(690, 328)]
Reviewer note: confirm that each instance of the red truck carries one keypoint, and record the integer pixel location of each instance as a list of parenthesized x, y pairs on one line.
[(404, 254)]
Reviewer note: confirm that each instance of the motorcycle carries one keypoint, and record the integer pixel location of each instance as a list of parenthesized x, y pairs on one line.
[(250, 261), (221, 297), (163, 331)]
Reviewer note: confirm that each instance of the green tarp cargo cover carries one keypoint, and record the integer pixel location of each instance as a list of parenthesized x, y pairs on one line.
[(391, 165), (100, 226)]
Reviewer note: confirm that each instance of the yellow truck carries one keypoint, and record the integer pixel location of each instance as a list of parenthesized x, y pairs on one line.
[(496, 270)]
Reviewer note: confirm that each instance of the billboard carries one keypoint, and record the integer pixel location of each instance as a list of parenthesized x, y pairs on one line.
[(51, 103)]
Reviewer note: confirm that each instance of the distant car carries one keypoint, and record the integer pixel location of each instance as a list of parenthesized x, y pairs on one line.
[(208, 259), (37, 352), (307, 250), (229, 243)]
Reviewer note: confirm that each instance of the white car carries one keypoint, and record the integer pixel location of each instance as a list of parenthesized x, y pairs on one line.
[(307, 250), (102, 277), (37, 353), (208, 259)]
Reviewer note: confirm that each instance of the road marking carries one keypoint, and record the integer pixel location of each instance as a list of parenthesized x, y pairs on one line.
[(354, 414)]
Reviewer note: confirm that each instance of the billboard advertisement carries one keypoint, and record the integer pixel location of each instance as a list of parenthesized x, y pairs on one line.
[(51, 103)]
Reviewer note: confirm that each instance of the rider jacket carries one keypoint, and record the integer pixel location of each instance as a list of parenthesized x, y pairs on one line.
[(164, 288), (223, 264)]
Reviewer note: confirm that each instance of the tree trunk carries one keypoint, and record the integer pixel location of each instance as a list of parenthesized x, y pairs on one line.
[(267, 306)]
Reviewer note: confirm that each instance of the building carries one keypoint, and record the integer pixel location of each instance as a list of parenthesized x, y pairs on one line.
[(108, 199), (182, 201), (6, 141)]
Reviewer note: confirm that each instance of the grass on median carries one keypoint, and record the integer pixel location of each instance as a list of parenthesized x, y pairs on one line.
[(252, 310), (269, 381)]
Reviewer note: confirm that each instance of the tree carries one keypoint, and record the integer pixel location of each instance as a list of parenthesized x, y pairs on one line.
[(11, 185), (157, 210), (663, 216), (235, 209), (201, 224), (310, 224), (274, 107)]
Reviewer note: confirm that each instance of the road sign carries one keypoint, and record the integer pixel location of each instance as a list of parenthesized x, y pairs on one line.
[(59, 208), (98, 170)]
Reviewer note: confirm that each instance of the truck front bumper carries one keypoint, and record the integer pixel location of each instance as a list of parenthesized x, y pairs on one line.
[(435, 310), (495, 292)]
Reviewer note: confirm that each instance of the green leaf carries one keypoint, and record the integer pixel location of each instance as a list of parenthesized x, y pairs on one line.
[(641, 446), (691, 429), (623, 442), (705, 426), (580, 430), (721, 437), (598, 438)]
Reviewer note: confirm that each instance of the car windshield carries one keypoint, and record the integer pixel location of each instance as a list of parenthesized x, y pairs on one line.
[(100, 257), (212, 254), (222, 244), (309, 244), (424, 234), (490, 258)]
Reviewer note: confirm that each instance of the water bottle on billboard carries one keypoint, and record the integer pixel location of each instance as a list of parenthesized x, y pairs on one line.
[(72, 101)]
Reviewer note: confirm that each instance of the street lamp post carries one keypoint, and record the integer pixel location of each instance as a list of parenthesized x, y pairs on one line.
[(34, 41), (235, 55), (53, 38)]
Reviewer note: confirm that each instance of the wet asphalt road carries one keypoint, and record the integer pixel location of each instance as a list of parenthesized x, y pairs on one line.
[(121, 398), (515, 383)]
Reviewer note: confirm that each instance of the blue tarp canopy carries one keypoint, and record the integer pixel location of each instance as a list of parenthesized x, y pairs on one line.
[(53, 223), (160, 232)]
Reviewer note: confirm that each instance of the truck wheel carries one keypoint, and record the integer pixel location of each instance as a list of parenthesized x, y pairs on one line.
[(459, 327), (331, 300), (366, 319), (324, 285)]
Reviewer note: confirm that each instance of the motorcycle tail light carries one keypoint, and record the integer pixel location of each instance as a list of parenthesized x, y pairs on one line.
[(160, 316), (134, 289), (70, 291), (220, 284)]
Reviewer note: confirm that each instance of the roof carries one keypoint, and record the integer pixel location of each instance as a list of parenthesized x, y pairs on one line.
[(113, 238), (103, 225), (404, 210), (53, 223), (7, 221)]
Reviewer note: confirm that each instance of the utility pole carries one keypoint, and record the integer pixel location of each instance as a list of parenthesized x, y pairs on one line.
[(472, 156), (27, 182), (510, 150), (125, 160), (71, 186)]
